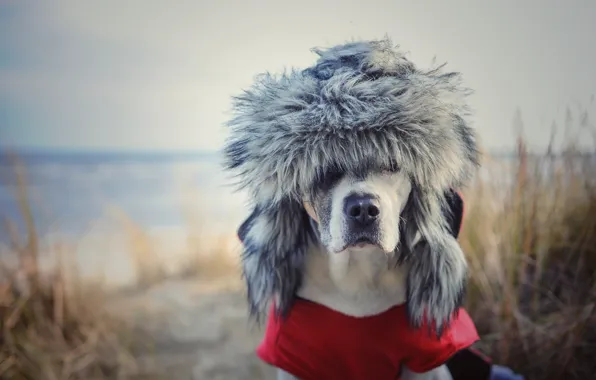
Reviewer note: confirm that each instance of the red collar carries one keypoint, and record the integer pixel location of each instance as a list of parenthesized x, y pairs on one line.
[(315, 342)]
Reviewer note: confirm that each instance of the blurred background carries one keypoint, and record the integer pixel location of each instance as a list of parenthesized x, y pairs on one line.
[(118, 252)]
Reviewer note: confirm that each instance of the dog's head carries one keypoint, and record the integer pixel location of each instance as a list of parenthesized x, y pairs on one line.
[(357, 211), (368, 145)]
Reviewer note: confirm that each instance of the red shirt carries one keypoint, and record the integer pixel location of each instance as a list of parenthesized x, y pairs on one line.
[(318, 343)]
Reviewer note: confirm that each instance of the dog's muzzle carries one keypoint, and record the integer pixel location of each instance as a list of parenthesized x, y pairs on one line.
[(361, 212)]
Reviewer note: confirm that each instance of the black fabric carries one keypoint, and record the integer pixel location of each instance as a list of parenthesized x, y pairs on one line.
[(455, 212), (469, 364)]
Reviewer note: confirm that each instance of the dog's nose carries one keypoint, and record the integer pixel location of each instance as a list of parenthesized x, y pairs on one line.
[(361, 209)]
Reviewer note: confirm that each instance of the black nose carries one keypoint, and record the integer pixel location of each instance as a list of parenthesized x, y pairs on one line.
[(361, 209)]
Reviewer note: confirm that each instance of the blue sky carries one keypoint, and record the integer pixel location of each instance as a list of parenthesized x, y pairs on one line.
[(155, 75)]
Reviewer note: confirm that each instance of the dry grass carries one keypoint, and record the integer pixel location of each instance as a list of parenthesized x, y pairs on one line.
[(206, 254), (531, 243), (149, 268), (51, 330)]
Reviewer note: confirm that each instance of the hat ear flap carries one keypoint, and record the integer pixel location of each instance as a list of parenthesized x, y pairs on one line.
[(275, 240), (437, 266)]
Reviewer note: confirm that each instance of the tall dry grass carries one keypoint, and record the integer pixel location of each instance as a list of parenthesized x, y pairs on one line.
[(531, 243), (50, 328)]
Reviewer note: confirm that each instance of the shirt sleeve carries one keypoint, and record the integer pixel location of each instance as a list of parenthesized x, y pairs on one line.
[(428, 352)]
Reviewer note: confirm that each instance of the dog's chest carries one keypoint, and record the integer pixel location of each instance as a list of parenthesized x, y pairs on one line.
[(358, 283)]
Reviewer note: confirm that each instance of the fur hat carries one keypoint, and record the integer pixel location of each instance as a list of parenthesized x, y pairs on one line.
[(361, 106)]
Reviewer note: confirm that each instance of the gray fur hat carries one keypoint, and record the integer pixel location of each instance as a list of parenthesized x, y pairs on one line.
[(361, 106)]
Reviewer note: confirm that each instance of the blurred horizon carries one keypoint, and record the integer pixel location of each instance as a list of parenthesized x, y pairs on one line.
[(37, 153)]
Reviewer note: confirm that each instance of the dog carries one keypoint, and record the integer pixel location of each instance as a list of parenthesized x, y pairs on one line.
[(348, 249)]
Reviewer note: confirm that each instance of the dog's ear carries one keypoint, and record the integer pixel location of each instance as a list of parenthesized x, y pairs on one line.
[(438, 269), (275, 240), (453, 212)]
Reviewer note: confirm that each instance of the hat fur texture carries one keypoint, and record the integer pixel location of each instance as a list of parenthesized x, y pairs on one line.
[(362, 106)]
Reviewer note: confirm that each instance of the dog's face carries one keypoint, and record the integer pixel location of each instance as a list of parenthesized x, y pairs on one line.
[(360, 212)]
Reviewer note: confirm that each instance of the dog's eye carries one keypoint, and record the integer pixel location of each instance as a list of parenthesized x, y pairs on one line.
[(327, 180)]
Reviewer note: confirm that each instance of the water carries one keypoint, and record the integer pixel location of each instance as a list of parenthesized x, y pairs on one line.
[(74, 195), (73, 190)]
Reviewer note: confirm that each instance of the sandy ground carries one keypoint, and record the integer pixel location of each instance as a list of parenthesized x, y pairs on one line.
[(199, 328)]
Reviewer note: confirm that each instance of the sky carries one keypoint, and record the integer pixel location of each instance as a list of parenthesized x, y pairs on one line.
[(159, 75)]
